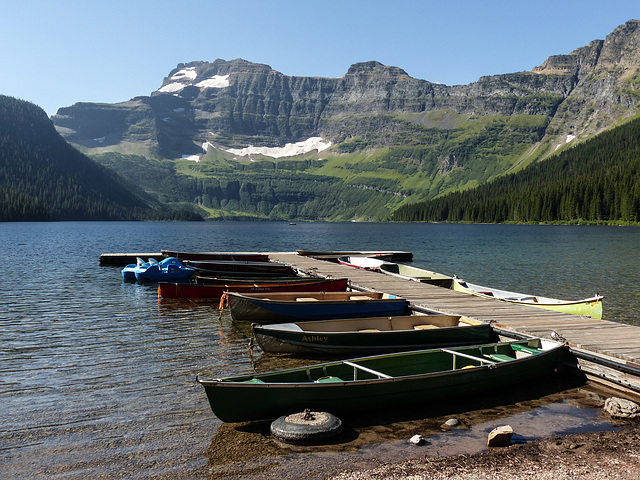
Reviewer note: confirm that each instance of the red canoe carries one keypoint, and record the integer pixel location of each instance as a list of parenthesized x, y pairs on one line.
[(207, 291)]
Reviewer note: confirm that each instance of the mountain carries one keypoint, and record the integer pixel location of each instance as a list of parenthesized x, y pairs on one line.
[(221, 135), (43, 178)]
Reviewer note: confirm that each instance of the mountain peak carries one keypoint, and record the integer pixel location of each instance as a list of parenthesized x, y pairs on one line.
[(367, 68), (620, 49), (208, 75)]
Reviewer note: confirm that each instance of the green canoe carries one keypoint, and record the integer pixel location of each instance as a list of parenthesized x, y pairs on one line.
[(360, 336), (380, 382)]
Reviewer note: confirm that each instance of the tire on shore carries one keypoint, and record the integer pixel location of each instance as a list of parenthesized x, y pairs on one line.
[(306, 427)]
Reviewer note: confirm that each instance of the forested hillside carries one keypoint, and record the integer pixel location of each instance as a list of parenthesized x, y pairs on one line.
[(227, 189), (595, 182), (44, 178)]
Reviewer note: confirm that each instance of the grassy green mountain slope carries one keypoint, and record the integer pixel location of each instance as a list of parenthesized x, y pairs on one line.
[(357, 179)]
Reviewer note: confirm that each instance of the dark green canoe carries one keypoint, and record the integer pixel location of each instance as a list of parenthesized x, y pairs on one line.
[(361, 336), (383, 381)]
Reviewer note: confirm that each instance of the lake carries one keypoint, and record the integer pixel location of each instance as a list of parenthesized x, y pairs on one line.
[(97, 375)]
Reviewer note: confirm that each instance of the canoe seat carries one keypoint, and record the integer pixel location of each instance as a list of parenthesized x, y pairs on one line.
[(522, 299), (253, 380), (359, 297), (426, 326), (328, 379), (525, 349), (369, 330), (499, 357), (306, 299)]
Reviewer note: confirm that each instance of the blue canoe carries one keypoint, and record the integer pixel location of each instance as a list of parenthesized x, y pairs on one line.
[(281, 307)]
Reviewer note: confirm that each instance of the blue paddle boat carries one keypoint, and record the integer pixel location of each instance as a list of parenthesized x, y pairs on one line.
[(128, 272), (169, 269)]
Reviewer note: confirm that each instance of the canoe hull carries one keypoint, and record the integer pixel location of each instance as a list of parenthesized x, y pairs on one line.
[(332, 255), (366, 336), (242, 257), (588, 307), (264, 310), (286, 392), (241, 268), (364, 263), (206, 291)]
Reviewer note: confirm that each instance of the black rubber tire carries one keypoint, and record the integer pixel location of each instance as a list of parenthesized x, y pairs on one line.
[(303, 432)]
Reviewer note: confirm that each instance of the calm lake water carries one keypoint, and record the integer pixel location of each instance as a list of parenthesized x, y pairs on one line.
[(97, 375)]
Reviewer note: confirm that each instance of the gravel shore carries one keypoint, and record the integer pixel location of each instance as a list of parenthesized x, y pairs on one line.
[(588, 456)]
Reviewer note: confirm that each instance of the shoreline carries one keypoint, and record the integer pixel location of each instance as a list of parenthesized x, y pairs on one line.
[(377, 447)]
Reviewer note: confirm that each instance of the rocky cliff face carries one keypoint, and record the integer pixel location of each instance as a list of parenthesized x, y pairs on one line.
[(605, 76), (237, 103)]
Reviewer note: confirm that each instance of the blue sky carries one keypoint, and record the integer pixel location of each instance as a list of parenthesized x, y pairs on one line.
[(55, 54)]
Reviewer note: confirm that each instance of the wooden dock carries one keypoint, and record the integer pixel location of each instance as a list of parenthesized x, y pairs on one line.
[(123, 259), (608, 351)]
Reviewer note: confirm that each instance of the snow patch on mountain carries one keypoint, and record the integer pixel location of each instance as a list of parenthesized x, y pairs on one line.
[(567, 140), (217, 81), (172, 88), (184, 78), (289, 150), (189, 72)]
